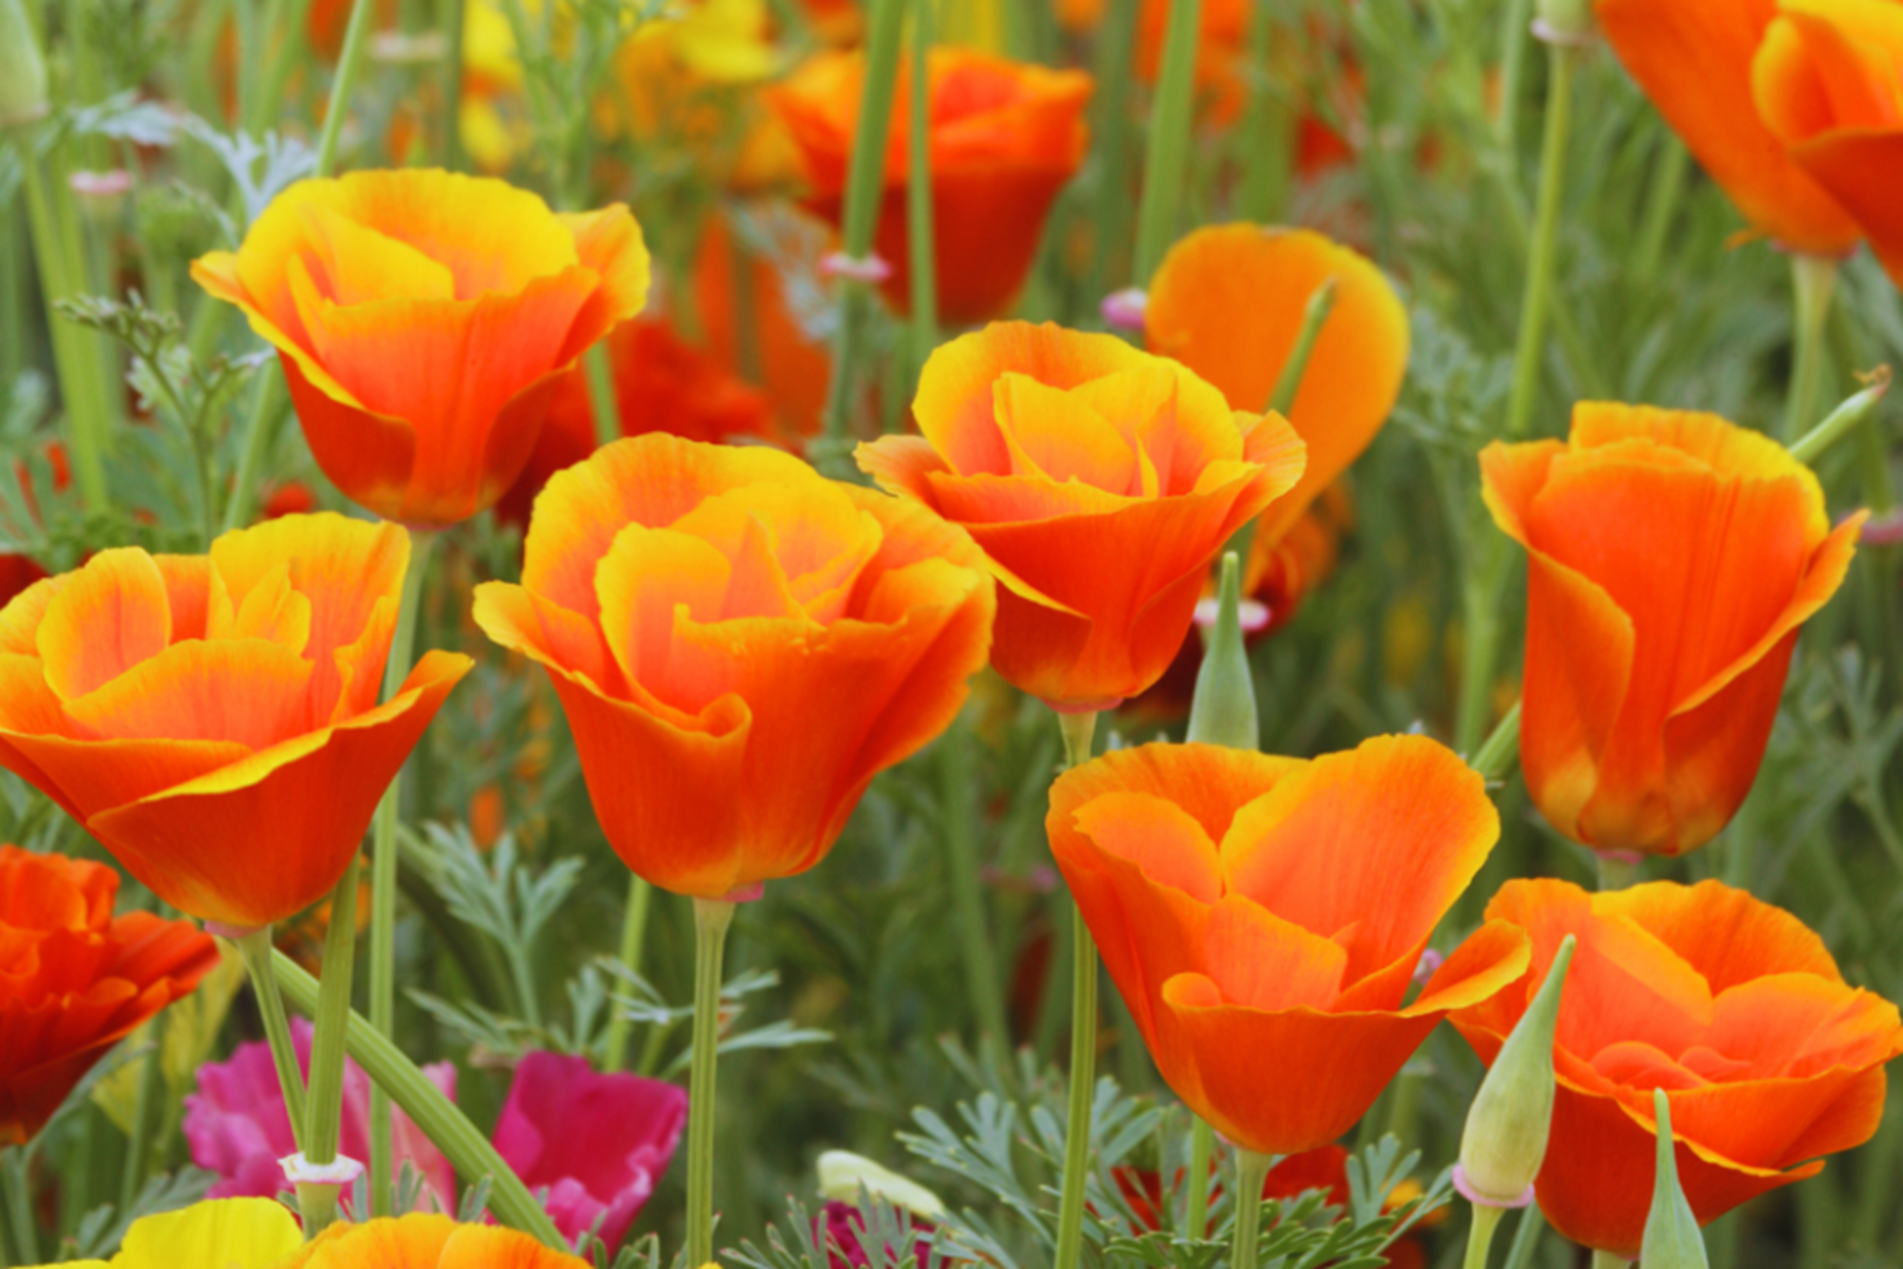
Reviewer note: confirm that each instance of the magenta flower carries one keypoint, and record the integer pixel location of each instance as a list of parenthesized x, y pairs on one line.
[(237, 1126), (596, 1143)]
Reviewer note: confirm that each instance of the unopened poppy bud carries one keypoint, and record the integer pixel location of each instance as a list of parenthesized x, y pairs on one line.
[(842, 1175), (1505, 1140), (1672, 1240), (1563, 21), (22, 69), (1223, 710)]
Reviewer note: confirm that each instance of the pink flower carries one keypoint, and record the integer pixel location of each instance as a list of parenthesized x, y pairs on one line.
[(237, 1126), (596, 1143)]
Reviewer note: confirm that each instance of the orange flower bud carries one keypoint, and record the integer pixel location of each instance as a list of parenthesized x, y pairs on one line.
[(425, 1241), (74, 981), (422, 319), (1100, 481), (740, 645), (1671, 558), (1263, 918), (1730, 1005), (212, 719)]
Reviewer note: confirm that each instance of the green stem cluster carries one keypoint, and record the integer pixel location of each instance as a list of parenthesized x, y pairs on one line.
[(1480, 1237), (254, 947)]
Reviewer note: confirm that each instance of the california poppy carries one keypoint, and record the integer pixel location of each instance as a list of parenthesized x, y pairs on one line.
[(425, 1241), (232, 1233), (1825, 81), (1263, 918), (1732, 1006), (74, 981), (422, 319), (1693, 59), (1672, 557), (1006, 137), (1100, 482), (740, 644), (226, 745)]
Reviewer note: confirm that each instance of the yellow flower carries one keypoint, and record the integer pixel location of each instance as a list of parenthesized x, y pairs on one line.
[(236, 1233)]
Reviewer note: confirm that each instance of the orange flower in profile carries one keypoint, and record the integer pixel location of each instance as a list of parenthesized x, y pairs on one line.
[(1228, 302), (422, 319), (1732, 1006), (426, 1241), (1671, 558), (740, 645), (225, 743), (1263, 918), (1006, 137), (1827, 85), (1100, 482), (1693, 59), (74, 981)]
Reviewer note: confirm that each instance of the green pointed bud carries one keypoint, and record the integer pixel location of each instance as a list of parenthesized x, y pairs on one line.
[(1567, 22), (1505, 1140), (1223, 710), (843, 1174), (22, 69), (1672, 1240)]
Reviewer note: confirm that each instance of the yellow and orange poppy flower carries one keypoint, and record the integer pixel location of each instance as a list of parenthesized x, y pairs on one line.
[(1672, 557), (740, 645), (1263, 918), (425, 1241), (1826, 83), (1733, 1007), (225, 742), (1100, 481), (422, 318)]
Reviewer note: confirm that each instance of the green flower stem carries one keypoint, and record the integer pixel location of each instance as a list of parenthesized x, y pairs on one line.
[(1078, 730), (1166, 163), (1515, 16), (600, 376), (1615, 873), (921, 242), (1480, 1237), (1606, 1260), (255, 950), (1110, 130), (1480, 615), (1813, 282), (961, 859), (144, 1107), (268, 403), (1501, 749), (711, 919), (1202, 1144), (323, 1111), (1842, 421), (1668, 188), (384, 880), (634, 924), (19, 1205), (1526, 1238), (467, 1150), (1252, 1170), (1265, 135), (349, 62), (1529, 354), (1321, 302)]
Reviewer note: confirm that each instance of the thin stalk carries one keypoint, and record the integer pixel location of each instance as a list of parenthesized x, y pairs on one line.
[(1480, 614), (349, 61), (1515, 17), (1606, 1260), (1526, 1238), (75, 352), (1501, 748), (323, 1112), (1252, 1170), (257, 23), (268, 403), (601, 393), (961, 860), (1855, 408), (144, 1106), (1202, 1144), (384, 880), (1321, 302), (1530, 352), (1616, 873), (1078, 730), (634, 924), (1813, 282), (1167, 160), (921, 243), (467, 1150), (712, 917), (1668, 188), (1265, 133), (254, 949), (13, 1165), (1480, 1237), (1116, 42)]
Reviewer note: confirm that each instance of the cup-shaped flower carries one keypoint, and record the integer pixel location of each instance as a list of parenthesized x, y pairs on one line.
[(739, 644), (73, 980), (232, 1233), (1229, 301), (1005, 139), (1826, 84), (212, 719), (1694, 58), (1672, 557), (1733, 1007), (422, 318), (1100, 482), (1263, 918), (597, 1143), (426, 1241)]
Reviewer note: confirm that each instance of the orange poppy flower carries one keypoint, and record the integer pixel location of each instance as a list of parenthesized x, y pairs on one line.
[(1671, 558), (1006, 137), (422, 318), (1228, 302), (1693, 59), (1100, 482), (225, 744), (740, 644), (425, 1241), (74, 981), (1263, 918), (1732, 1006), (1826, 83)]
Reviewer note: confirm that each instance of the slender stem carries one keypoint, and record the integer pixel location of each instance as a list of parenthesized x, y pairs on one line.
[(384, 881), (1668, 188), (1167, 160), (1321, 302), (961, 860), (1813, 281), (454, 19), (1515, 16), (19, 1208), (1252, 1170), (323, 1111), (922, 249), (1265, 134), (598, 369), (1526, 1238), (255, 950), (1480, 1237), (1606, 1260), (145, 1105), (711, 919), (467, 1150), (1616, 873), (75, 354), (268, 403), (1539, 266), (1078, 730), (1116, 39), (1854, 410), (1202, 1144), (1501, 748), (1480, 613), (356, 36), (634, 924)]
